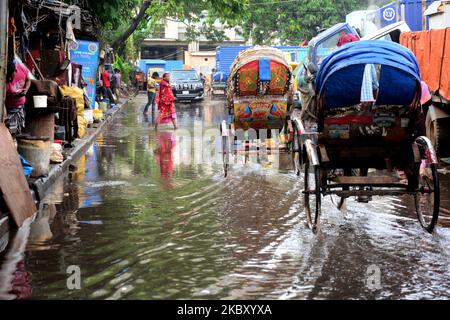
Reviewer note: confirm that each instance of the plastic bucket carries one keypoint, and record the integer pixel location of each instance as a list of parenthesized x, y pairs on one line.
[(40, 102), (37, 153), (103, 106)]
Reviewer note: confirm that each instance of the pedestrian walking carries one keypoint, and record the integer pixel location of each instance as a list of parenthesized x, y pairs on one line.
[(18, 81), (166, 106), (151, 93)]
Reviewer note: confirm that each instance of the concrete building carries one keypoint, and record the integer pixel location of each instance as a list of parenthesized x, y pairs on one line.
[(170, 41), (201, 61)]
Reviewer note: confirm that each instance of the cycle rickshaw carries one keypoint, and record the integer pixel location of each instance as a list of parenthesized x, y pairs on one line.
[(350, 148), (260, 100)]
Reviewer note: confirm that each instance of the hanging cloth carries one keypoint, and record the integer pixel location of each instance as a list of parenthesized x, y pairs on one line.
[(369, 83)]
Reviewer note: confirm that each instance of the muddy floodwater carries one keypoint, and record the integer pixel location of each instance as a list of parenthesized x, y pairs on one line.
[(146, 215)]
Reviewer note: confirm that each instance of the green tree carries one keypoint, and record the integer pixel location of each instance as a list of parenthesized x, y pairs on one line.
[(293, 21), (119, 19)]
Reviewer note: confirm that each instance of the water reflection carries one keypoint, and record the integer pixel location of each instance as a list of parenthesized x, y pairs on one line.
[(166, 143), (14, 278)]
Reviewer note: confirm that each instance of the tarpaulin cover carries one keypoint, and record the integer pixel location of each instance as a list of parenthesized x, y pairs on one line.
[(264, 69), (340, 75), (432, 50), (219, 77)]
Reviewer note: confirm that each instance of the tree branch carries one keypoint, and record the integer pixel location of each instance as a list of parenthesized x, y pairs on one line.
[(142, 14)]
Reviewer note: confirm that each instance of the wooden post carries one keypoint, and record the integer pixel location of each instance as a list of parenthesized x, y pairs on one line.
[(42, 125), (3, 54)]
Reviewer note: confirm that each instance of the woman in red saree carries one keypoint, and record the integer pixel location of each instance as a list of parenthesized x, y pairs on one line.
[(166, 107)]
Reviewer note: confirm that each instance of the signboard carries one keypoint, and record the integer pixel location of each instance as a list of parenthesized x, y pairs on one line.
[(388, 14), (86, 54)]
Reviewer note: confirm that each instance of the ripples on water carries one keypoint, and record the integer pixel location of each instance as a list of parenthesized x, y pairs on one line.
[(143, 225)]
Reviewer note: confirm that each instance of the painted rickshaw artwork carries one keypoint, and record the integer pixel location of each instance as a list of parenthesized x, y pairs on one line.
[(260, 102), (362, 134)]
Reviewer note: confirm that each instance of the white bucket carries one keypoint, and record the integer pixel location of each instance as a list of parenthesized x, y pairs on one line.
[(40, 101)]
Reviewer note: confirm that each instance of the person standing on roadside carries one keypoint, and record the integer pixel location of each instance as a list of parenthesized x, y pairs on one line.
[(117, 81), (151, 93), (106, 80), (18, 81)]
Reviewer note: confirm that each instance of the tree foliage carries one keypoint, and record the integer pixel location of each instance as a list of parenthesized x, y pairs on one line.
[(121, 18), (293, 21)]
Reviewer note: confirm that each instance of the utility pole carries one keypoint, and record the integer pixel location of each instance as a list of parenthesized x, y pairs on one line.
[(3, 53), (424, 18)]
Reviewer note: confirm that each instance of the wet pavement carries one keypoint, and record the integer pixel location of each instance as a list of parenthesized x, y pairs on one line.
[(149, 215)]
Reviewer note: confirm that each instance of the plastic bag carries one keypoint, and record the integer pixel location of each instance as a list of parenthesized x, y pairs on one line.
[(81, 126), (56, 155), (27, 168), (77, 94)]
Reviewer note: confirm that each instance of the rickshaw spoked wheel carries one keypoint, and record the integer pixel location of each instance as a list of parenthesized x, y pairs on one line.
[(339, 201), (312, 196), (225, 153), (296, 147), (427, 197)]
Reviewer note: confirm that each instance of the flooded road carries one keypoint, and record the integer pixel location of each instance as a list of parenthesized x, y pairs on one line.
[(145, 215)]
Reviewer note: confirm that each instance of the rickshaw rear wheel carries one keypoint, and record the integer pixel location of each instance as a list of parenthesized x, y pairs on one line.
[(427, 197), (312, 193)]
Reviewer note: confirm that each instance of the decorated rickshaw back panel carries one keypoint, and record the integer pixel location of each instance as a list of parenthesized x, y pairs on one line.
[(380, 126), (260, 112)]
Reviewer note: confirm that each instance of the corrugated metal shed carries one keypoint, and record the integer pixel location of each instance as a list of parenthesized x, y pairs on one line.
[(167, 65), (225, 55), (144, 62), (174, 65), (414, 13)]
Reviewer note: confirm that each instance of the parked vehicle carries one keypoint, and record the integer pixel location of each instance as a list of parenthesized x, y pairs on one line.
[(432, 49), (318, 49), (187, 85), (391, 32), (219, 83)]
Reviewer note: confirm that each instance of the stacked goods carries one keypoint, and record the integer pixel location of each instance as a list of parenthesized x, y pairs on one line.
[(77, 94)]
